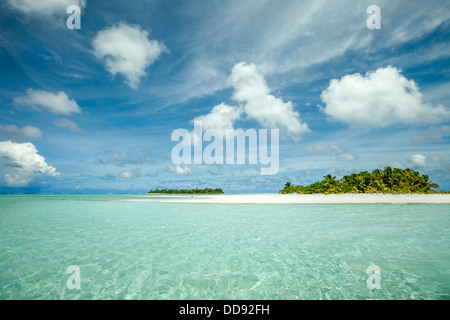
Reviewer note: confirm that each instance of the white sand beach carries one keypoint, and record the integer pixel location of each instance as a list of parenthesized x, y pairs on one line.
[(297, 198)]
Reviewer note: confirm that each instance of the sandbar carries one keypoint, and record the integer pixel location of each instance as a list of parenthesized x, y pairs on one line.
[(273, 198)]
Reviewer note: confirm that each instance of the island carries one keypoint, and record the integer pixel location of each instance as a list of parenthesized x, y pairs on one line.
[(389, 180), (188, 191)]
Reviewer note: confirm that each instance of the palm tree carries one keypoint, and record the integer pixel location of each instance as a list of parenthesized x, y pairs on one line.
[(377, 179), (387, 180)]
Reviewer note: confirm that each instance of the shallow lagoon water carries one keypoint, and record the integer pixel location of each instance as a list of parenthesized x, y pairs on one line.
[(142, 250)]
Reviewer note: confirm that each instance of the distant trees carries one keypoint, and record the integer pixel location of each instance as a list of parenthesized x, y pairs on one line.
[(378, 181), (188, 191)]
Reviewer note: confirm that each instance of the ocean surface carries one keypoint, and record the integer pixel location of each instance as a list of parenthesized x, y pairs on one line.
[(143, 250)]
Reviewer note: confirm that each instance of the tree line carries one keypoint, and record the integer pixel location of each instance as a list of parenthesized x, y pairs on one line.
[(188, 191), (388, 180)]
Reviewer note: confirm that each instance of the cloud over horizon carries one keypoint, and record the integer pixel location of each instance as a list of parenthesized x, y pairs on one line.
[(130, 174), (179, 170), (379, 98), (20, 163)]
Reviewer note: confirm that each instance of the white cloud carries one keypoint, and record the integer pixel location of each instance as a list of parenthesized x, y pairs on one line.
[(221, 117), (20, 134), (418, 160), (65, 123), (56, 103), (126, 50), (301, 36), (46, 7), (251, 89), (380, 98), (20, 163), (271, 112), (130, 174), (179, 170)]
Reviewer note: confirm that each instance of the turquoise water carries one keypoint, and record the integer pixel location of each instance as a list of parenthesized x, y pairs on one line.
[(137, 250)]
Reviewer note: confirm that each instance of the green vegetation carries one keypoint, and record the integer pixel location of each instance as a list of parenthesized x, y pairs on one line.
[(188, 191), (379, 181)]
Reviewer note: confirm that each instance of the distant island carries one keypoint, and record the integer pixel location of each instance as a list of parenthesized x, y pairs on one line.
[(378, 181), (188, 191)]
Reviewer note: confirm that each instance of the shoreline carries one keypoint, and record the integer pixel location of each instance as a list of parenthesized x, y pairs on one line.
[(273, 198)]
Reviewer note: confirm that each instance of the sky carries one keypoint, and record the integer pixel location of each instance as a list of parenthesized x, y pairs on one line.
[(92, 109)]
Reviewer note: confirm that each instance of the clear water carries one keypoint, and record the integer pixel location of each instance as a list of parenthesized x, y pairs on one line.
[(135, 250)]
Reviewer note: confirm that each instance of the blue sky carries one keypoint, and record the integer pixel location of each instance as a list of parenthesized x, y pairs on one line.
[(93, 109)]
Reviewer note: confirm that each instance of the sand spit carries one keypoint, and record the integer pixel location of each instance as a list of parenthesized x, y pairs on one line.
[(297, 198)]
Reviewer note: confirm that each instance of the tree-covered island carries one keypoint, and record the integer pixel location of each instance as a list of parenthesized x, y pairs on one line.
[(378, 181), (188, 191)]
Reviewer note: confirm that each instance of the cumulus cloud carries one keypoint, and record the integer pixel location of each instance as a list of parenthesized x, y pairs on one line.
[(379, 98), (66, 123), (126, 50), (258, 104), (46, 7), (56, 103), (271, 112), (12, 132), (221, 117), (20, 163), (179, 170), (418, 160), (130, 174)]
